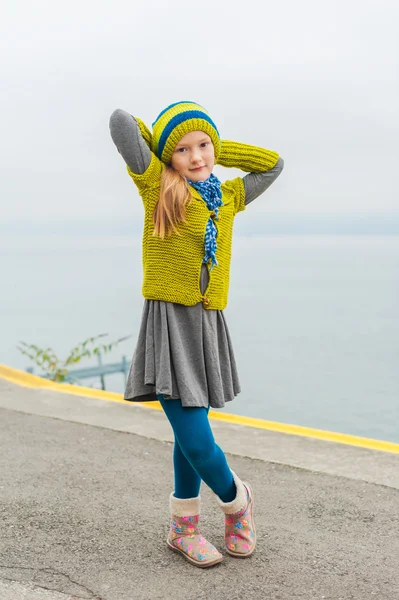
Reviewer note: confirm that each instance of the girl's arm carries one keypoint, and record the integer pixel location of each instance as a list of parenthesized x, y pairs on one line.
[(264, 166), (130, 135)]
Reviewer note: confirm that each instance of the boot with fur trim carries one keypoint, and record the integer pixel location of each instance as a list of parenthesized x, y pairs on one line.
[(240, 534), (184, 535)]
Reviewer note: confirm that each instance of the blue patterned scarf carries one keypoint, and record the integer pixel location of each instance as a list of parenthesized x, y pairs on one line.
[(211, 193)]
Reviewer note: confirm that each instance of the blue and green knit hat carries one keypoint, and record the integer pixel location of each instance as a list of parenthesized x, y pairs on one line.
[(177, 120)]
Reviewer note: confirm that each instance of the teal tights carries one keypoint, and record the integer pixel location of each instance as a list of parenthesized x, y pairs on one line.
[(196, 456)]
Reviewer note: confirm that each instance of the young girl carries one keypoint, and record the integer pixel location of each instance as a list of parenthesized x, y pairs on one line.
[(184, 355)]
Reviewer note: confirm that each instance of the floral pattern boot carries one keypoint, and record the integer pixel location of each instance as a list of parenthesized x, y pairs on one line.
[(240, 534), (184, 535)]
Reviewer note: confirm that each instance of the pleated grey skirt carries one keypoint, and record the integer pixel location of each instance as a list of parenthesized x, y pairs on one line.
[(183, 352)]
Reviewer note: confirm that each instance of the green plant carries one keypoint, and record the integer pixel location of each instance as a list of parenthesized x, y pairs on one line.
[(57, 369)]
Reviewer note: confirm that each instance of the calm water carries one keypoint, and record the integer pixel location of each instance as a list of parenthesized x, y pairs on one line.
[(314, 320)]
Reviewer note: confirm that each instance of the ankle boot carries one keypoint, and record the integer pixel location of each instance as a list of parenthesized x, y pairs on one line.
[(184, 535), (240, 534)]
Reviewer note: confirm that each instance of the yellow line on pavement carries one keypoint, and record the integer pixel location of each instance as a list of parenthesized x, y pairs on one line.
[(32, 381)]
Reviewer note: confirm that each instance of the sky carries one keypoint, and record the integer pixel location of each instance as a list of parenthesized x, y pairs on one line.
[(318, 82)]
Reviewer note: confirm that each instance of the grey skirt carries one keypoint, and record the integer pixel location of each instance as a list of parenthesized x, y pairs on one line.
[(183, 352)]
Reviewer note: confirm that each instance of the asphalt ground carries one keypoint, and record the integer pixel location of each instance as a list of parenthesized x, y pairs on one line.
[(84, 514)]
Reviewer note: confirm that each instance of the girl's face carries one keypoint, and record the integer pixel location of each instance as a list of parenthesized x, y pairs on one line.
[(194, 156)]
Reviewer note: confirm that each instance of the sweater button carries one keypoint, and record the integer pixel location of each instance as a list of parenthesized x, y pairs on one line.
[(213, 214), (206, 301)]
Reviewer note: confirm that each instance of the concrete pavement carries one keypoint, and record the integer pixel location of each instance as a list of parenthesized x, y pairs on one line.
[(84, 509)]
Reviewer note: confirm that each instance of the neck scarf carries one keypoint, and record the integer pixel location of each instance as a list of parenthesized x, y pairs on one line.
[(211, 193)]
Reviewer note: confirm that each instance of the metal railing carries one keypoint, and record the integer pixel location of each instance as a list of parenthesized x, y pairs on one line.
[(99, 371)]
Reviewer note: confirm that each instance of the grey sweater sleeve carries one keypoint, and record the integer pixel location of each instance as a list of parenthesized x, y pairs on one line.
[(257, 183), (128, 139)]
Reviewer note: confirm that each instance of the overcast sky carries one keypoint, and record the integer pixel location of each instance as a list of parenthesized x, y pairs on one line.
[(316, 81)]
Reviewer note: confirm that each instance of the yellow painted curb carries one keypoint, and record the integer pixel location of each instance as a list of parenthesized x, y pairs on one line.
[(32, 381)]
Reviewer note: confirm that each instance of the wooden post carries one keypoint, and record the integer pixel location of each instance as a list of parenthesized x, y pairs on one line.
[(125, 369), (102, 378)]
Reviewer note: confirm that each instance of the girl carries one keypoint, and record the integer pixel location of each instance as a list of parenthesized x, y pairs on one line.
[(184, 355)]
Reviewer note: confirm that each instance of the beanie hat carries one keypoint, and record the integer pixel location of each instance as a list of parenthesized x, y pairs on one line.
[(175, 121)]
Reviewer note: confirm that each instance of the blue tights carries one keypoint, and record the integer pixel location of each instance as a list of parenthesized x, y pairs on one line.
[(196, 456)]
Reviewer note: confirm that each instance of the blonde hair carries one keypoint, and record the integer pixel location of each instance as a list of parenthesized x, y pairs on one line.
[(174, 197)]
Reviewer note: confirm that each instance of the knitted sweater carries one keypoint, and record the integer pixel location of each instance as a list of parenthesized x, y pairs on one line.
[(172, 266)]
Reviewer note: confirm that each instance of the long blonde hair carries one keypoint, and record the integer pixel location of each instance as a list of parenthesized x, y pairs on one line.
[(174, 197)]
